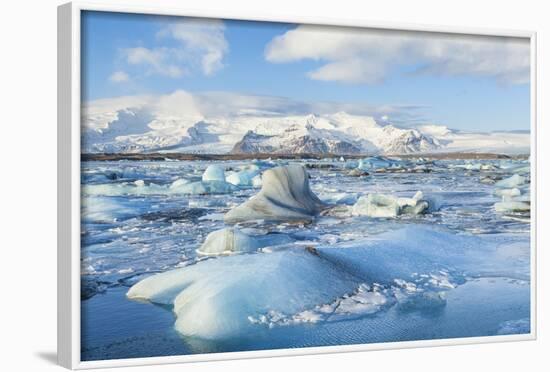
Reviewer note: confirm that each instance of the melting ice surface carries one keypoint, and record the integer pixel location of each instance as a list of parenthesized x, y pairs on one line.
[(460, 271)]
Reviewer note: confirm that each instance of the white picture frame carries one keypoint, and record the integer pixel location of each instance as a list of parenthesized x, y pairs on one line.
[(69, 153)]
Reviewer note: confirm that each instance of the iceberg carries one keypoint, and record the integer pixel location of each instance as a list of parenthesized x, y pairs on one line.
[(387, 206), (231, 240), (227, 241), (285, 196), (289, 281), (511, 182), (377, 205), (242, 178), (202, 188), (213, 172), (213, 182), (374, 162)]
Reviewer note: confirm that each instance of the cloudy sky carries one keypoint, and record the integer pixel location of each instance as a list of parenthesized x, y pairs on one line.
[(464, 82)]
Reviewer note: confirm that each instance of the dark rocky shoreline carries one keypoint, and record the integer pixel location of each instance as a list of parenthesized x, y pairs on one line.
[(221, 157)]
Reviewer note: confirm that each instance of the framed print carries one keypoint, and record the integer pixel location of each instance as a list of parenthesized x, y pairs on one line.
[(232, 186)]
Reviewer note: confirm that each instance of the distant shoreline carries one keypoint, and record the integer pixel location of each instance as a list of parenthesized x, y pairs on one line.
[(263, 156)]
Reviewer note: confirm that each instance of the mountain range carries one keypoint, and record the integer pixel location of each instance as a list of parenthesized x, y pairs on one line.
[(135, 128)]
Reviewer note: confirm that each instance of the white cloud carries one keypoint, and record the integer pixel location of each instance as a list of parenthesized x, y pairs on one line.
[(119, 77), (202, 40), (368, 56), (185, 46), (182, 104), (157, 60)]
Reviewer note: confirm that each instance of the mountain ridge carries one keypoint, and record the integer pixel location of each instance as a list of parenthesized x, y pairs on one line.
[(138, 129)]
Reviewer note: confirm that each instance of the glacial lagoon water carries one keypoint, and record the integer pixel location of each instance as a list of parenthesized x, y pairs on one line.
[(136, 222)]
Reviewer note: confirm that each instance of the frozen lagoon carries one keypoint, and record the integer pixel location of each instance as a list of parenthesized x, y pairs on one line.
[(145, 228)]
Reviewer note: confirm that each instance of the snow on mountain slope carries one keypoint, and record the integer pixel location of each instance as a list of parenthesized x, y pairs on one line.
[(511, 142), (177, 123), (335, 134)]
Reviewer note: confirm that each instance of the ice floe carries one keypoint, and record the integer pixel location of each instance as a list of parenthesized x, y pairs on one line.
[(105, 209), (287, 281), (511, 182), (387, 206), (512, 206), (179, 186), (412, 266), (285, 196)]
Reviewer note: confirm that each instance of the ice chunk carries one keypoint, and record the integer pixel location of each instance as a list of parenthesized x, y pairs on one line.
[(214, 172), (285, 196), (419, 203), (245, 176), (230, 296), (138, 187), (387, 206), (351, 164), (210, 187), (257, 181), (105, 209), (363, 301), (377, 205), (242, 178), (508, 192), (339, 198), (232, 240), (376, 162), (357, 172), (512, 206), (213, 299), (179, 182), (226, 241), (508, 183)]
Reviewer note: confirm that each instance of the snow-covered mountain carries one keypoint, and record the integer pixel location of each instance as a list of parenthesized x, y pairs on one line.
[(336, 134), (143, 124)]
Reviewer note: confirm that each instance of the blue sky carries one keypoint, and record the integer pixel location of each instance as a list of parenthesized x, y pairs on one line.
[(463, 82)]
